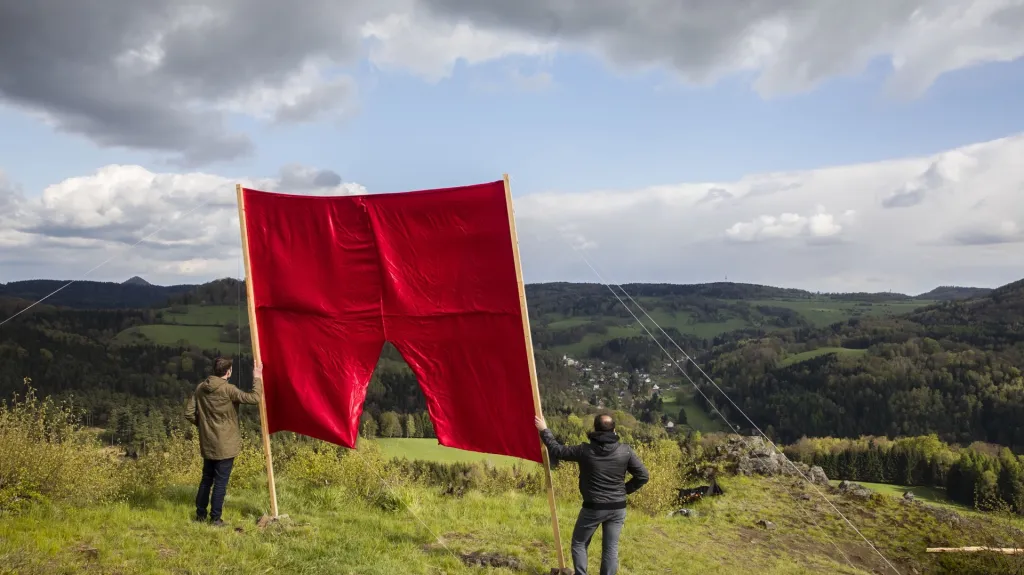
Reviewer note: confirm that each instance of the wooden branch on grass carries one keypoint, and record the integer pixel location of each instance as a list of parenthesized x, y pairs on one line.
[(1004, 550)]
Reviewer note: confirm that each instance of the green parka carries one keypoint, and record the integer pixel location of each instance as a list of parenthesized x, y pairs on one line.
[(213, 409)]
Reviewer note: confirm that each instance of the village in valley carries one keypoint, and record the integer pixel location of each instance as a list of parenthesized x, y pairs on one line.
[(652, 396)]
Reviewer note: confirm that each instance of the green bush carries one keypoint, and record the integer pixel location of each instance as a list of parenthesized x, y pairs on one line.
[(663, 460), (45, 455)]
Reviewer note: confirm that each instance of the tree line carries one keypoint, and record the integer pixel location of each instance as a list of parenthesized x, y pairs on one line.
[(983, 476)]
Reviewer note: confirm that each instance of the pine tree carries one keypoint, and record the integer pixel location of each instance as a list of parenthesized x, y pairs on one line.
[(426, 425), (873, 469)]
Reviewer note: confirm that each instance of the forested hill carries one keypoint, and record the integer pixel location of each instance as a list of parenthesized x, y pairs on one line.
[(945, 293), (953, 368), (138, 293), (94, 295)]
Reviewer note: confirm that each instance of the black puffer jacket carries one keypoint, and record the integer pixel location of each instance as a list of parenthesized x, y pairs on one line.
[(603, 466)]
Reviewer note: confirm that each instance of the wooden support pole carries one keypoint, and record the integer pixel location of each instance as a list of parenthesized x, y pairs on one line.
[(255, 334), (533, 369), (1004, 550)]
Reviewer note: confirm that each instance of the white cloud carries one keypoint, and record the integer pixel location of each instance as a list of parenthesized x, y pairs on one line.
[(186, 224), (827, 229), (430, 47), (164, 76), (787, 226)]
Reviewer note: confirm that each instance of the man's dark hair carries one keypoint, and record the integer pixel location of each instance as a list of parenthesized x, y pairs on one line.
[(604, 422), (221, 365)]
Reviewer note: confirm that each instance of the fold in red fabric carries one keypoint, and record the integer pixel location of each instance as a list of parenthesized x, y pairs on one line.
[(431, 271)]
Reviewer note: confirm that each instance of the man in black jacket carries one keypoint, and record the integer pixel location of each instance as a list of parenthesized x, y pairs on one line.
[(603, 466)]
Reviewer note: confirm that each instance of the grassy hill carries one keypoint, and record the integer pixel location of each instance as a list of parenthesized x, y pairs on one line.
[(332, 531), (71, 505)]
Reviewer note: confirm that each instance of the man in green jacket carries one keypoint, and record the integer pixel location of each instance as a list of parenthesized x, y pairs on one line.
[(213, 409)]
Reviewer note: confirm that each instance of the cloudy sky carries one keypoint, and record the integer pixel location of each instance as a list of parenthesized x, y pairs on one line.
[(829, 145)]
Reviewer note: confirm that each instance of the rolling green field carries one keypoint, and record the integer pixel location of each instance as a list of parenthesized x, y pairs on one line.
[(206, 337), (200, 326), (927, 495), (696, 418), (799, 357), (823, 312), (415, 449), (216, 315)]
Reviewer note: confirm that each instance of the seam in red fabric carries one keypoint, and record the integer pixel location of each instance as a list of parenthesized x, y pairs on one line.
[(380, 269)]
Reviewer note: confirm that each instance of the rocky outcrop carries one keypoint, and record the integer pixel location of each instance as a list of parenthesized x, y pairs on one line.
[(854, 490), (754, 456)]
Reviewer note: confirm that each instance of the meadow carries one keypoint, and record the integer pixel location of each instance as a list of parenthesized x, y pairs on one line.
[(70, 505), (423, 449), (696, 418), (799, 357)]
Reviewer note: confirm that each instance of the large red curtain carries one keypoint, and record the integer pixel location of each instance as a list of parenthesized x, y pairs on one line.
[(431, 271)]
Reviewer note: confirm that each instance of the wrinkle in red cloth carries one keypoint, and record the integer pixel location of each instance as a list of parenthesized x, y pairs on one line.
[(430, 271)]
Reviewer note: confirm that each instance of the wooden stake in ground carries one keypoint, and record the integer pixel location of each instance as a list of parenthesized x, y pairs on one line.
[(255, 333), (533, 369)]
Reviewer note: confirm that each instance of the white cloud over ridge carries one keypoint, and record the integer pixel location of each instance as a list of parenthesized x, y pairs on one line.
[(832, 229)]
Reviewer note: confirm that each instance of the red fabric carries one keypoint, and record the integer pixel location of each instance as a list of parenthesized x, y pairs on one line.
[(432, 272)]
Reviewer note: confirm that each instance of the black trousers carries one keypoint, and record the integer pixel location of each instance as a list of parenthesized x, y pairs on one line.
[(215, 477)]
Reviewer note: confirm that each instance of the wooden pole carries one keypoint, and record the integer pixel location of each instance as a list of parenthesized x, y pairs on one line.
[(1004, 550), (533, 369), (255, 334)]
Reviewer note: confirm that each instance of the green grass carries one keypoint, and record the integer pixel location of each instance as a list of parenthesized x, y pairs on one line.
[(206, 337), (823, 312), (217, 315), (569, 322), (582, 347), (429, 450), (696, 417), (929, 495), (799, 357), (326, 532)]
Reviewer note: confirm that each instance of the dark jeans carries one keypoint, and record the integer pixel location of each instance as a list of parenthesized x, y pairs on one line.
[(611, 522), (215, 475)]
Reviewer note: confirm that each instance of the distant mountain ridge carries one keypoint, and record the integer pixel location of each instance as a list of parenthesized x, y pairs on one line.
[(136, 292), (94, 295), (946, 293)]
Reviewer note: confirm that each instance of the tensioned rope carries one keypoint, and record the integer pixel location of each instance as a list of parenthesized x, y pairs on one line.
[(720, 390)]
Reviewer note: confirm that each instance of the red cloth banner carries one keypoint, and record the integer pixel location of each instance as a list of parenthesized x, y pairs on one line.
[(431, 271)]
